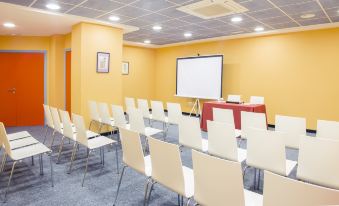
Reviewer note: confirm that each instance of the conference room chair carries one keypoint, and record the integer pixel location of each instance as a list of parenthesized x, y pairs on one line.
[(219, 182), (158, 114), (19, 154), (318, 161), (252, 119), (133, 157), (119, 117), (106, 117), (167, 170), (94, 115), (174, 113), (291, 128), (266, 151), (98, 142), (190, 134), (137, 124), (58, 127), (328, 129), (226, 116), (282, 191), (49, 121), (221, 142), (257, 100), (234, 98), (143, 106), (129, 103)]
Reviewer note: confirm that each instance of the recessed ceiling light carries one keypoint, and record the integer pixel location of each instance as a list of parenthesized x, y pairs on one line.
[(9, 25), (236, 19), (157, 28), (259, 28), (114, 18), (53, 6), (307, 16), (147, 41), (187, 34)]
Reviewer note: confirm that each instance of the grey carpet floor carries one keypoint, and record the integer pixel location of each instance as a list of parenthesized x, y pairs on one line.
[(30, 188)]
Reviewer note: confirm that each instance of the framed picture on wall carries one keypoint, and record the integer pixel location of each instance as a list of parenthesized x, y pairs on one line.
[(103, 62), (125, 68)]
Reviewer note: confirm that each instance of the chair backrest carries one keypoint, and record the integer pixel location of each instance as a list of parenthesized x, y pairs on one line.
[(158, 112), (143, 106), (104, 113), (119, 116), (79, 123), (266, 150), (166, 165), (136, 121), (129, 103), (217, 181), (318, 161), (221, 140), (174, 112), (4, 139), (48, 116), (56, 119), (282, 191), (257, 100), (292, 128), (234, 98), (132, 153), (190, 133), (252, 119), (67, 124), (93, 111), (223, 115), (328, 129)]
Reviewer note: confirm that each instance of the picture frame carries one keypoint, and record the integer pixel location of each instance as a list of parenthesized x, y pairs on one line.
[(103, 61), (125, 68)]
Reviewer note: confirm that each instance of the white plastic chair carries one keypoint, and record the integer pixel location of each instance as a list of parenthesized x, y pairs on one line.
[(257, 100), (94, 114), (144, 108), (234, 98), (226, 116), (129, 103), (56, 122), (106, 117), (282, 191), (167, 169), (119, 117), (219, 182), (292, 128), (19, 154), (252, 119), (174, 113), (158, 114), (49, 121), (133, 157), (328, 129), (221, 142), (137, 124), (318, 161), (91, 144), (190, 134)]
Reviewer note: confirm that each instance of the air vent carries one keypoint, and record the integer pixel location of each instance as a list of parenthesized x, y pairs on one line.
[(208, 9)]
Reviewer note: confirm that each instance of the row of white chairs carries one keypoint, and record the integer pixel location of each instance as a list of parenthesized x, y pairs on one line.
[(213, 181)]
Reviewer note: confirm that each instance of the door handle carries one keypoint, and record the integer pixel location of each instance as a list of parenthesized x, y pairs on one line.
[(13, 90)]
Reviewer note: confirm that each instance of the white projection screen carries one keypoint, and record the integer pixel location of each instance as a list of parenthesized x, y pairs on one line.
[(200, 77)]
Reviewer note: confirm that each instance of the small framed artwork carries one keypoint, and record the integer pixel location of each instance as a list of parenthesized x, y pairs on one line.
[(125, 68), (103, 62)]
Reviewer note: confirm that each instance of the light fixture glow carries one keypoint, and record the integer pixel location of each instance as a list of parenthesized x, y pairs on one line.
[(114, 18), (147, 41), (259, 29), (187, 34), (53, 6), (9, 25), (157, 28), (236, 19), (307, 16)]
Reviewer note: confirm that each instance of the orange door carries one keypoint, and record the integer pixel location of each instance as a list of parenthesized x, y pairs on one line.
[(22, 93), (68, 80)]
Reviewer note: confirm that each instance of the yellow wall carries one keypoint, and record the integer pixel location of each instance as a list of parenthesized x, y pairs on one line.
[(297, 73)]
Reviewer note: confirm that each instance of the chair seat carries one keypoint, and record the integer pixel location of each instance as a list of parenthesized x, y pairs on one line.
[(149, 131), (18, 135), (28, 151), (237, 132), (15, 144), (289, 166), (252, 198), (204, 145), (242, 155), (99, 141), (73, 129), (189, 181), (148, 165)]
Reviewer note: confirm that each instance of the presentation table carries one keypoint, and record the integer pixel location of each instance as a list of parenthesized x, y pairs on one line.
[(207, 111)]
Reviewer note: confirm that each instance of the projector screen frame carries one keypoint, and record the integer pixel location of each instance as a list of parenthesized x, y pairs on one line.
[(196, 57)]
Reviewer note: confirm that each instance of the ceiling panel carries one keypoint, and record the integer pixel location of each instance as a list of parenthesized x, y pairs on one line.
[(131, 11), (285, 25), (276, 20), (173, 12), (152, 5), (86, 12), (41, 4), (314, 21), (155, 18), (267, 13), (19, 2), (330, 3), (301, 8), (255, 5), (288, 2), (103, 5)]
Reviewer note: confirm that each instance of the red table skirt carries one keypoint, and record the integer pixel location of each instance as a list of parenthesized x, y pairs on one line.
[(207, 111)]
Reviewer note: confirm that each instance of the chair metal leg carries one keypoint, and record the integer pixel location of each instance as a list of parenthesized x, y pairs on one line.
[(53, 136), (46, 131), (118, 189), (146, 190), (117, 157), (83, 179), (9, 181), (243, 174), (179, 200), (50, 162), (189, 201), (60, 148), (3, 163), (41, 165), (149, 193), (72, 157), (255, 178), (32, 160), (100, 149), (103, 155), (182, 200)]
